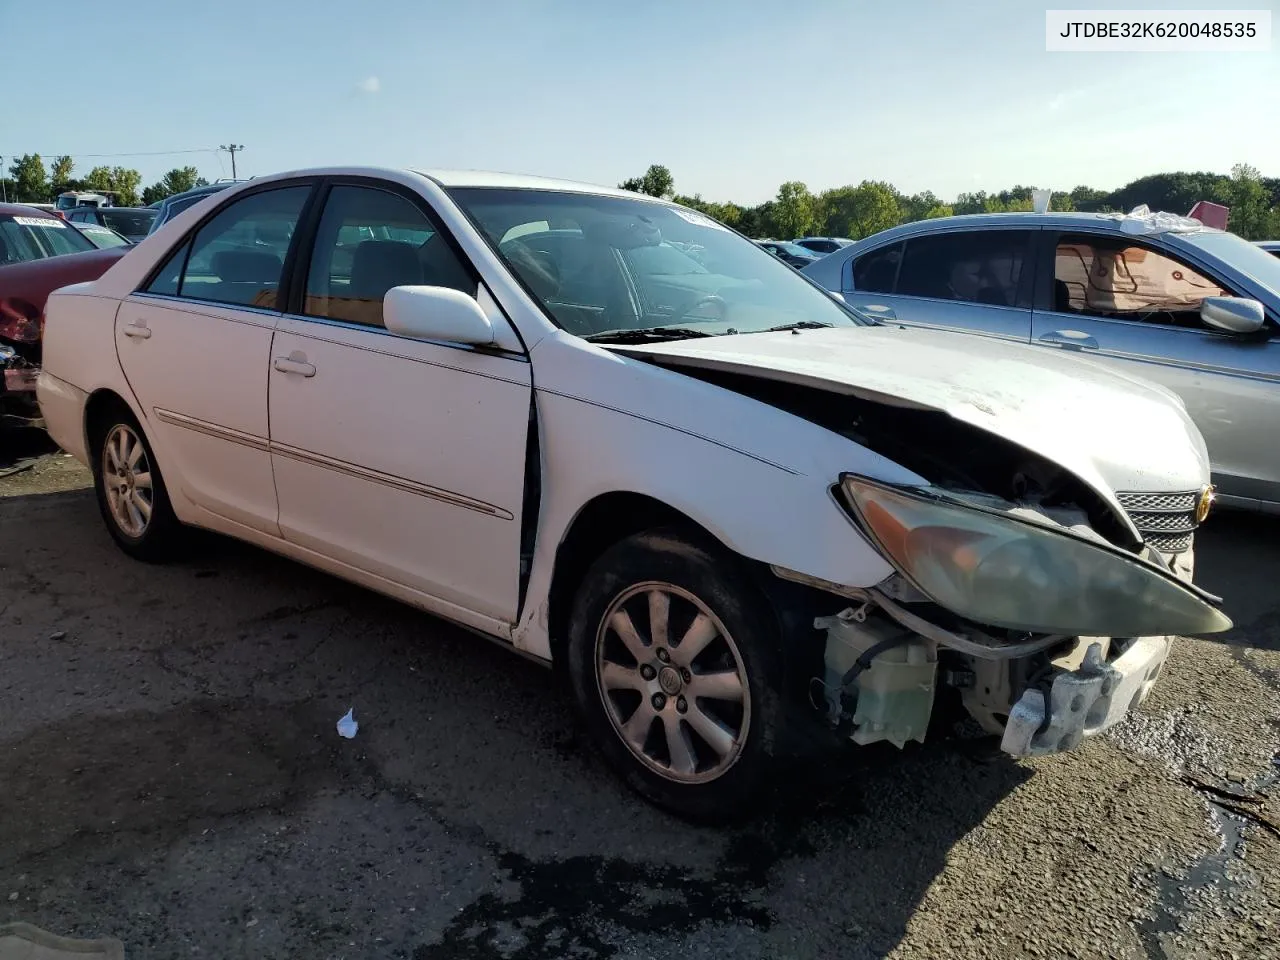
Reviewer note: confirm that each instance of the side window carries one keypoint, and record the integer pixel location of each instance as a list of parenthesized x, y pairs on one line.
[(169, 278), (972, 267), (875, 272), (1101, 277), (369, 241), (238, 256)]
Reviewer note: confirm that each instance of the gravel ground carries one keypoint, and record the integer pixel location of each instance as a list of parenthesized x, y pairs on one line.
[(170, 775)]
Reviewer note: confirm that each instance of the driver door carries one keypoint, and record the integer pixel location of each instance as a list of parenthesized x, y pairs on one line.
[(1133, 304)]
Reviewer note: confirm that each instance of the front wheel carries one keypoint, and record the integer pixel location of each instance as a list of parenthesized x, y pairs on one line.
[(673, 658), (131, 492)]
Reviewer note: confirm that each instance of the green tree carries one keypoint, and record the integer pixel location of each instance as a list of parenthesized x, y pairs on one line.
[(123, 181), (793, 210), (868, 208), (177, 180), (30, 184), (1251, 213), (656, 182), (63, 167)]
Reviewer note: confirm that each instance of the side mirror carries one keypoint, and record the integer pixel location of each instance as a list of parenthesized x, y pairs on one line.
[(1232, 314), (436, 313)]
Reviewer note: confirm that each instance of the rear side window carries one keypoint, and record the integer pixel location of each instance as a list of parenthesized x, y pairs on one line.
[(875, 272), (969, 266), (238, 256)]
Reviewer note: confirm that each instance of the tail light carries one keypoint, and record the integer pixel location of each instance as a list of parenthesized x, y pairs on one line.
[(20, 321)]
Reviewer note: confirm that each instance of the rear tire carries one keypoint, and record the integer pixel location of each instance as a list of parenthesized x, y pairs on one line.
[(674, 662), (131, 492)]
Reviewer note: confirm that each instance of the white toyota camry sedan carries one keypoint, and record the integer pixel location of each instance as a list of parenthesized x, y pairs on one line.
[(612, 434)]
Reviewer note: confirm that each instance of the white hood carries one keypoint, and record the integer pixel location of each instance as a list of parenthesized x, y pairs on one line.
[(1114, 432)]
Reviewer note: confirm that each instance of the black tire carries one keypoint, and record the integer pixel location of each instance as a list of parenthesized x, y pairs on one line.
[(162, 534), (749, 645)]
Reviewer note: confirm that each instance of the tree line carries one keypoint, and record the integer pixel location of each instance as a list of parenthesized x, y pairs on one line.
[(874, 205), (29, 182)]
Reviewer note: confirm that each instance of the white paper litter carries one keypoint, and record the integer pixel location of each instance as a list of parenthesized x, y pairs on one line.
[(347, 726)]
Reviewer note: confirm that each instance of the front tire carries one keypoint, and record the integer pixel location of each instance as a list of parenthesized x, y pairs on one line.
[(131, 492), (674, 662)]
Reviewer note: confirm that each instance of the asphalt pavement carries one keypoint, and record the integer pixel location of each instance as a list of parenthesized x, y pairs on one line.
[(170, 775)]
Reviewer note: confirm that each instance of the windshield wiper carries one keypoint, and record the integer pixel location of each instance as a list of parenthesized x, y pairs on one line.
[(646, 334), (798, 325)]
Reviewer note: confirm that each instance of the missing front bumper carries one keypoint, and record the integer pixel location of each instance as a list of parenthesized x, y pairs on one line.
[(1084, 701)]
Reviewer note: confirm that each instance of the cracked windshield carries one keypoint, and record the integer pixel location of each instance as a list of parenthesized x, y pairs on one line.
[(631, 501)]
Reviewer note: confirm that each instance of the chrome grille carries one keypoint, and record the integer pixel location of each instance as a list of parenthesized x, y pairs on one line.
[(1165, 520), (1160, 502), (1168, 542)]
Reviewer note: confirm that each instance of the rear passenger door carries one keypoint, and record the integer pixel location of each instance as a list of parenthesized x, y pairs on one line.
[(972, 281), (195, 343)]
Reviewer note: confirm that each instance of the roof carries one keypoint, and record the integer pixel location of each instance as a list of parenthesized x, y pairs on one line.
[(517, 181), (23, 210), (1160, 222)]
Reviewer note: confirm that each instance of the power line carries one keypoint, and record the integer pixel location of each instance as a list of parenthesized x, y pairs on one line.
[(103, 156)]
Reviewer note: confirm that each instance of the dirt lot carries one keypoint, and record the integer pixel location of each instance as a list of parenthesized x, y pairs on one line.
[(170, 775)]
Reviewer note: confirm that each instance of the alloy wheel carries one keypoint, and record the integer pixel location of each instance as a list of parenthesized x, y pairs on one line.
[(673, 682), (126, 479)]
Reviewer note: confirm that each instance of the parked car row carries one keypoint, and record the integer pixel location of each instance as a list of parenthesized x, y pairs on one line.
[(744, 515), (39, 252)]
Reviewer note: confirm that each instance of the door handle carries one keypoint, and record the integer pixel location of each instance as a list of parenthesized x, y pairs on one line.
[(1070, 340), (137, 331), (295, 362)]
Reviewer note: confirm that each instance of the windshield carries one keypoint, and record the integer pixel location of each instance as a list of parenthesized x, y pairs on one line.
[(101, 237), (601, 264), (1249, 258), (34, 238), (795, 249), (132, 223)]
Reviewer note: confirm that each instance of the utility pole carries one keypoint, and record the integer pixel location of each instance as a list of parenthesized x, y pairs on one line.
[(4, 189), (232, 148)]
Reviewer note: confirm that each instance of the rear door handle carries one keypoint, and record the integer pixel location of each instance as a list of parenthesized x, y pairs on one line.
[(295, 362), (1070, 340), (139, 331)]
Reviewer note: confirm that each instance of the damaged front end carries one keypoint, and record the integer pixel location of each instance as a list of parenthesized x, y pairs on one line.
[(1043, 630)]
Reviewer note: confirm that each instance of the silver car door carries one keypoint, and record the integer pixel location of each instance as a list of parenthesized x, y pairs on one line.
[(970, 281), (1134, 304)]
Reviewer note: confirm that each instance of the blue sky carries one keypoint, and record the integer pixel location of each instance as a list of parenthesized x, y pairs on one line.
[(735, 97)]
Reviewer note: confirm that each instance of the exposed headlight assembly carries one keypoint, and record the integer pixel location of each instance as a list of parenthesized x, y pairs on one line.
[(999, 570)]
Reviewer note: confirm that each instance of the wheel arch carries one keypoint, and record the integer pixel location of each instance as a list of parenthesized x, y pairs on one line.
[(601, 522), (100, 403)]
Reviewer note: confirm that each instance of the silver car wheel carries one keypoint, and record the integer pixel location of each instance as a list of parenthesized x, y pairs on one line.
[(673, 682), (126, 478)]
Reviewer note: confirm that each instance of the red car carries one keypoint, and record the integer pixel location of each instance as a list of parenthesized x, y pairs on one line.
[(39, 253)]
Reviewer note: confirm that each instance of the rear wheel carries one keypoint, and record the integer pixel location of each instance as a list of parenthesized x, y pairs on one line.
[(131, 493), (674, 663)]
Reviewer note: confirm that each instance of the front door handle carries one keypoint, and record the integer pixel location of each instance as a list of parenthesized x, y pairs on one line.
[(1070, 340), (295, 362), (138, 331)]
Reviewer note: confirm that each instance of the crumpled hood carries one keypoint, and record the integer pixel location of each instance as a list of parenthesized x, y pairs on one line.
[(1116, 433)]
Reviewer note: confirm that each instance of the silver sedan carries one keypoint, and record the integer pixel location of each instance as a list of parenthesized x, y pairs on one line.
[(1158, 296)]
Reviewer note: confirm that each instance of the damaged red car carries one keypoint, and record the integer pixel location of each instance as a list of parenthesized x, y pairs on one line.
[(38, 254)]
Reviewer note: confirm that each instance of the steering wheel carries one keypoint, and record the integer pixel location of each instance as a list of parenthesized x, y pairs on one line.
[(710, 300)]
